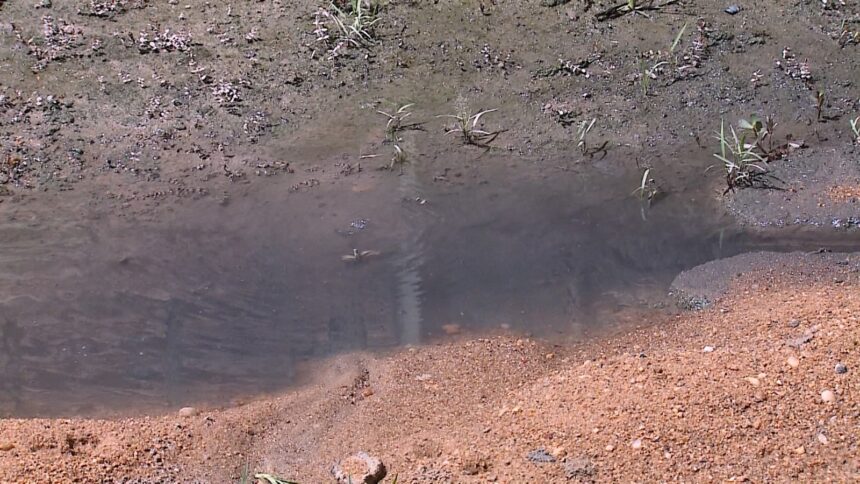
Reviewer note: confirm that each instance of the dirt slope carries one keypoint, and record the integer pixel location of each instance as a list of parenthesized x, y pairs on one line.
[(730, 393)]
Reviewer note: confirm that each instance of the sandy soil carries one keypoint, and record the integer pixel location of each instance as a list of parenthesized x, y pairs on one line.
[(731, 393)]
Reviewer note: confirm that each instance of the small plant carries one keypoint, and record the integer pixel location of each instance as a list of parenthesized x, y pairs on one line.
[(647, 189), (270, 479), (467, 125), (855, 128), (582, 133), (352, 25), (678, 39), (395, 122), (358, 256), (743, 166), (820, 98), (848, 36), (632, 6), (399, 159), (763, 135)]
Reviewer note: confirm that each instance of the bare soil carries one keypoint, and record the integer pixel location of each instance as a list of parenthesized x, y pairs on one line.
[(733, 392)]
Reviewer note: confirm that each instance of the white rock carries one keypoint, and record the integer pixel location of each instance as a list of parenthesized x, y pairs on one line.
[(188, 412)]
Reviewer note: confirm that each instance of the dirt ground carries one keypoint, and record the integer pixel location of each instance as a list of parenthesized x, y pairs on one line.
[(731, 393), (139, 103), (132, 108)]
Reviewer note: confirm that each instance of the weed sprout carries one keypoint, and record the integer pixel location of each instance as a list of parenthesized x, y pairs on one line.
[(743, 166), (855, 128), (467, 125)]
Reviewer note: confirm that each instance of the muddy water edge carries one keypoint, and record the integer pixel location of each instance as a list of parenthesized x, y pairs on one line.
[(224, 298)]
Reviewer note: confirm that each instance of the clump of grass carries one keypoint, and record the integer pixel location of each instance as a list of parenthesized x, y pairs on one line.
[(848, 36), (855, 128), (468, 126), (743, 166), (352, 25)]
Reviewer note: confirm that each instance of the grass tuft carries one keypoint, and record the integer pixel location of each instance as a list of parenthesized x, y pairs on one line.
[(467, 125)]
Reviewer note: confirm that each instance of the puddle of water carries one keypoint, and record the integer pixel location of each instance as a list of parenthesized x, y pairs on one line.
[(106, 317)]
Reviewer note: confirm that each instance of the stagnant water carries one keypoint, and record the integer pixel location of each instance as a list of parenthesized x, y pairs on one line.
[(108, 315)]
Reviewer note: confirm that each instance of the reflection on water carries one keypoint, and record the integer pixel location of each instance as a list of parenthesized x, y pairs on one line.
[(102, 315)]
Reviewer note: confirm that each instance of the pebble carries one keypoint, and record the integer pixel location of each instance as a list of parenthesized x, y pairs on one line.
[(367, 392), (828, 396), (793, 323), (636, 444), (540, 456), (708, 349), (732, 9), (841, 369), (610, 448), (6, 446), (188, 412), (753, 381), (792, 362), (822, 438), (359, 468), (800, 450)]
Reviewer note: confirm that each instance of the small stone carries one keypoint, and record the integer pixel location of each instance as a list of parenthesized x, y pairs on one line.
[(580, 468), (792, 362), (550, 356), (708, 349), (540, 456), (841, 369), (6, 446), (636, 444), (753, 381), (451, 328), (188, 412), (732, 9), (367, 392), (793, 323), (360, 468), (558, 452), (828, 396), (822, 438), (609, 448), (802, 339), (800, 450)]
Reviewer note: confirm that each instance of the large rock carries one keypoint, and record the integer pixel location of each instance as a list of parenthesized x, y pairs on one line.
[(360, 468)]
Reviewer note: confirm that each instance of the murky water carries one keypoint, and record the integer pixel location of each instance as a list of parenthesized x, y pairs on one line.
[(104, 316)]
